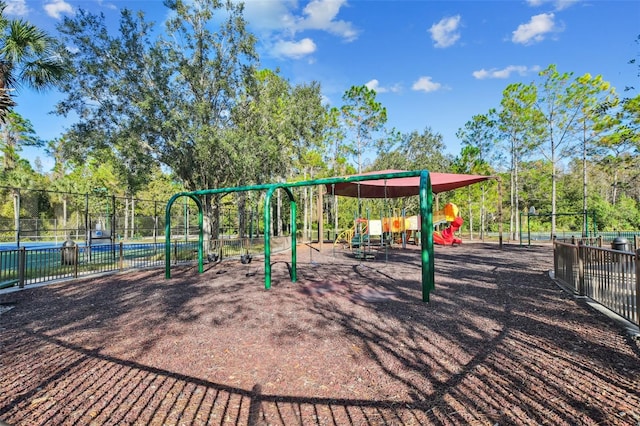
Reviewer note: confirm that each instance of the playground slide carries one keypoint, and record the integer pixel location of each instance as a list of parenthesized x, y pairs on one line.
[(446, 237)]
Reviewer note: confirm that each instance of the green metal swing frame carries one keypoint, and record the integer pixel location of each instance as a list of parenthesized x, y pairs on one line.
[(426, 215)]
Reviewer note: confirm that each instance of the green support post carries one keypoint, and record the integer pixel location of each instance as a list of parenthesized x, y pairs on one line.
[(167, 232), (267, 232), (267, 238), (426, 236)]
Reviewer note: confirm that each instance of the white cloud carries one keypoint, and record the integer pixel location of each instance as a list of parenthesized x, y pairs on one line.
[(535, 30), (375, 85), (445, 33), (56, 8), (282, 16), (558, 4), (109, 5), (275, 21), (505, 72), (321, 15), (294, 49), (17, 8), (268, 15), (425, 84)]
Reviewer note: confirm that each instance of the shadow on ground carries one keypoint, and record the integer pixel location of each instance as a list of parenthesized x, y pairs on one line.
[(349, 343)]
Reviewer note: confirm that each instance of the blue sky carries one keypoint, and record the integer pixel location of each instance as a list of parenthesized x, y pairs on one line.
[(433, 63)]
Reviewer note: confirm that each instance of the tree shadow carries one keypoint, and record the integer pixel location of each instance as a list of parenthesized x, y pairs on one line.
[(499, 343)]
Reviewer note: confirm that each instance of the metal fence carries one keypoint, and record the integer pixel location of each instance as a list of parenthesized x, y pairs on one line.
[(36, 216), (26, 266), (607, 239), (609, 277)]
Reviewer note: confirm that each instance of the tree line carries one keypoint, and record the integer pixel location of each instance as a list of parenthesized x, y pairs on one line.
[(188, 106)]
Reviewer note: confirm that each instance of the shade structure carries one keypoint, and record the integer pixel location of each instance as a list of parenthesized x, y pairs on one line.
[(402, 187)]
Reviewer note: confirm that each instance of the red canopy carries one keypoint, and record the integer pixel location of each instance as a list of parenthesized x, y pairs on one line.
[(402, 187)]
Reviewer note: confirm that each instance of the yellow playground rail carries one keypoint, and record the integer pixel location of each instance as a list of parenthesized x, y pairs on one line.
[(345, 236)]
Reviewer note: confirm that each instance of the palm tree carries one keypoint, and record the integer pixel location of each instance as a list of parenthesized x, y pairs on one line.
[(27, 57)]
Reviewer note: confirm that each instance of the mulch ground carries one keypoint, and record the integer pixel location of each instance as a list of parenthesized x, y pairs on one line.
[(351, 343)]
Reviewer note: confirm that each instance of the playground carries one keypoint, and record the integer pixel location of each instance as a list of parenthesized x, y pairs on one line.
[(351, 342)]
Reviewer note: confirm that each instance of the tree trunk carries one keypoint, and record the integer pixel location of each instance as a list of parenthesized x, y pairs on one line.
[(553, 189), (512, 192), (242, 214), (585, 231), (125, 232), (336, 224), (517, 201), (16, 213), (133, 217)]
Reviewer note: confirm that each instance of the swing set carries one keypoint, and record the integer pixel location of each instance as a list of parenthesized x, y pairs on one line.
[(424, 192)]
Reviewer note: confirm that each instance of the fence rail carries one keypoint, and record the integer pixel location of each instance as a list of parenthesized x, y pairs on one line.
[(609, 277), (26, 266)]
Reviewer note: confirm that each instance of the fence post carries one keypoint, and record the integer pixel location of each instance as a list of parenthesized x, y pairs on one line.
[(22, 264), (120, 258), (76, 257), (638, 287), (582, 250), (555, 259)]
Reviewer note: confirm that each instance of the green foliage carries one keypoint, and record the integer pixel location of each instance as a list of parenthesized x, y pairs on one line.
[(363, 116), (28, 56), (15, 133)]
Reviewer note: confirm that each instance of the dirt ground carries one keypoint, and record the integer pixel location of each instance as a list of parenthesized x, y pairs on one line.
[(350, 343)]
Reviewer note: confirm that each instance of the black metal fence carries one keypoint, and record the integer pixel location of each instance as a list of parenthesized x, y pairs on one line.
[(39, 216), (609, 277), (27, 266)]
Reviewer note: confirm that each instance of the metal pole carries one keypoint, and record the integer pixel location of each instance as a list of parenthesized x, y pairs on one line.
[(87, 225), (520, 220), (294, 231), (320, 208), (155, 223), (267, 238), (426, 236), (112, 220), (22, 266), (167, 232)]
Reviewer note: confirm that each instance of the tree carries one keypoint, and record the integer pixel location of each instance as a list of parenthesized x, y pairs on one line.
[(169, 100), (590, 95), (280, 126), (363, 116), (519, 128), (27, 57), (560, 103), (15, 133), (471, 161), (480, 133)]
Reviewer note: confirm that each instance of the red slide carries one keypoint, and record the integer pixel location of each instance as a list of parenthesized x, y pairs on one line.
[(446, 238)]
